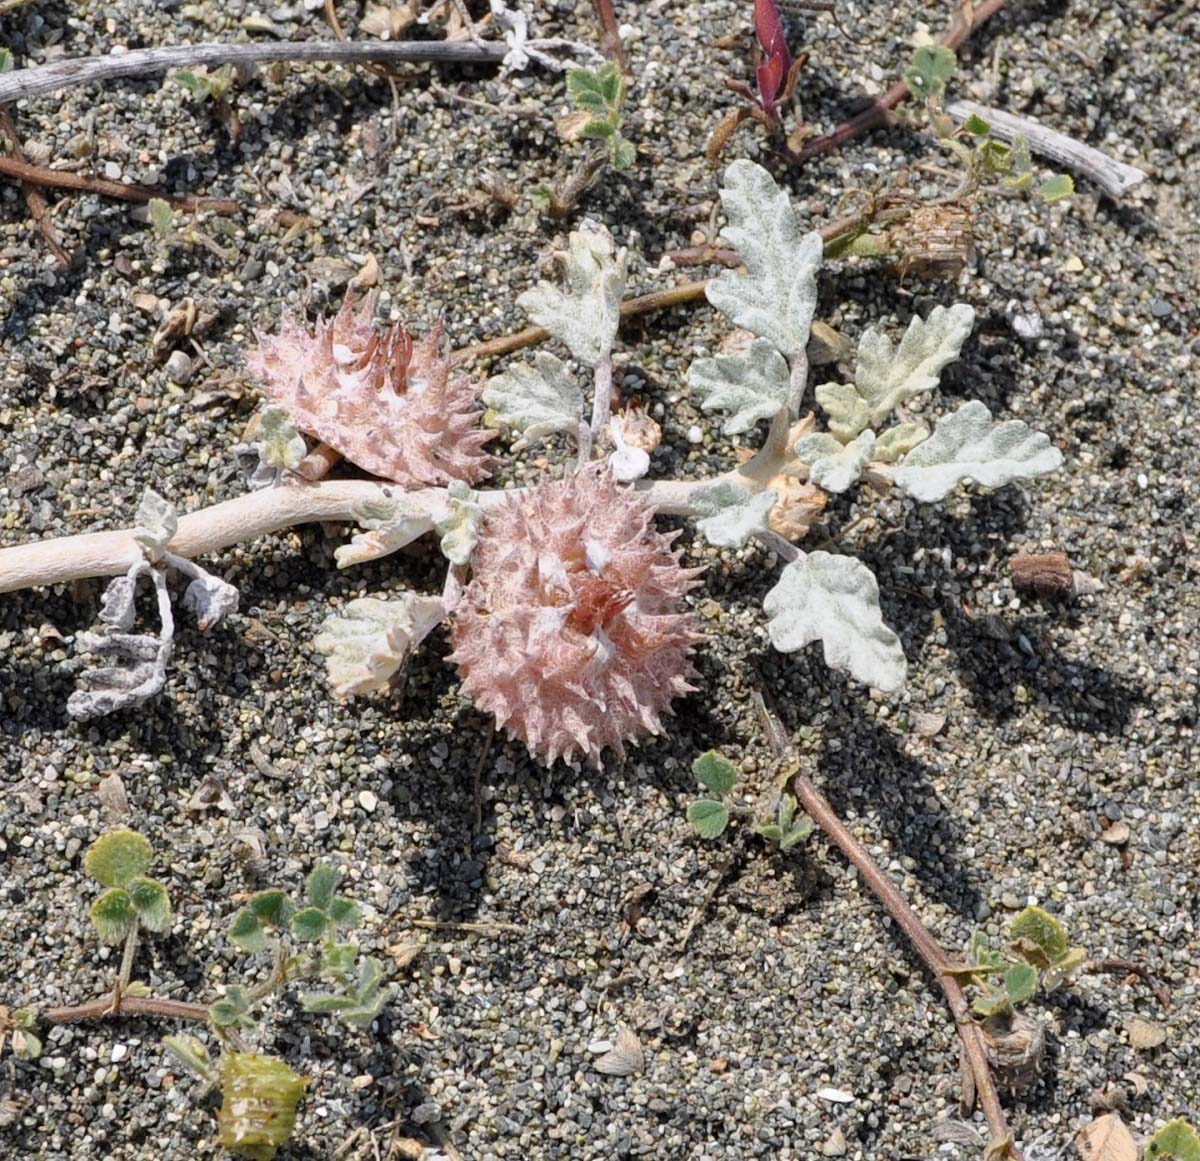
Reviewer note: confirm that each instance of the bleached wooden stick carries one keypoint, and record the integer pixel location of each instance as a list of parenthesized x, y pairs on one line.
[(1114, 177)]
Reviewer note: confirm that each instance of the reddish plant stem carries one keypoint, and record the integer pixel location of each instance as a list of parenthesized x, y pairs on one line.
[(63, 179), (119, 1005), (966, 21), (1130, 968), (610, 35), (39, 208), (939, 963)]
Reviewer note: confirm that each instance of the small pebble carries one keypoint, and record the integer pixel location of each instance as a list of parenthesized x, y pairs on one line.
[(180, 368)]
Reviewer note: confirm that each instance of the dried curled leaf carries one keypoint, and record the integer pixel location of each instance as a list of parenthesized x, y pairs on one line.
[(731, 515), (144, 658), (1106, 1139), (969, 444), (367, 645), (752, 385), (834, 466), (587, 315), (777, 295), (536, 399), (625, 1058), (886, 375), (835, 600)]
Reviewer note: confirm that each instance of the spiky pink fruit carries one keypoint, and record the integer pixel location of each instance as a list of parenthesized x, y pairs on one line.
[(387, 405), (570, 631)]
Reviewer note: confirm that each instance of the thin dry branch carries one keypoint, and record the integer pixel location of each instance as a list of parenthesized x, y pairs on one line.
[(967, 19), (121, 1005), (610, 34), (39, 208), (1114, 177), (48, 78), (39, 175)]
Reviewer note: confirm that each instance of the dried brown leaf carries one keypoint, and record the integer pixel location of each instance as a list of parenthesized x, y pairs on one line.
[(1106, 1139), (626, 1057), (1144, 1034)]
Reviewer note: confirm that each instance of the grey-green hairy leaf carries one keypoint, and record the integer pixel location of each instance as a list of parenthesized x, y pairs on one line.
[(586, 317), (149, 898), (322, 881), (536, 398), (113, 915), (459, 528), (835, 600), (970, 444), (369, 643), (753, 385), (849, 413), (886, 375), (736, 513), (831, 465), (777, 295), (898, 441), (308, 925)]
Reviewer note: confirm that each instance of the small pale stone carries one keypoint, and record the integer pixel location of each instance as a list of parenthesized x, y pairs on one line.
[(835, 1146), (180, 368), (119, 1052), (368, 801)]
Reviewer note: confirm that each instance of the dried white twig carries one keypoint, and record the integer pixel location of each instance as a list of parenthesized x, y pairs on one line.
[(1114, 177)]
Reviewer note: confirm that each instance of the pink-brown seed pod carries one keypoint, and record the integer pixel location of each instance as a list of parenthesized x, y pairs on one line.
[(570, 631), (388, 405)]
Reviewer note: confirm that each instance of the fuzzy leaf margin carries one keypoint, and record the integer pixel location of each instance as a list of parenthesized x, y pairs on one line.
[(777, 296), (753, 385), (970, 444), (835, 600)]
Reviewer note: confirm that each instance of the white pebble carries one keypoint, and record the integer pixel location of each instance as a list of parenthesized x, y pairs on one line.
[(1143, 481), (119, 1052), (695, 435), (368, 801), (179, 367)]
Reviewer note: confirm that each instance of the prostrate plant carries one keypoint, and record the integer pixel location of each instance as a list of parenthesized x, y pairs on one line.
[(565, 604), (773, 816), (259, 1092), (599, 97)]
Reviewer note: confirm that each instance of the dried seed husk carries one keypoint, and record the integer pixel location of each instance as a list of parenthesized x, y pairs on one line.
[(933, 241), (258, 1106), (1016, 1046)]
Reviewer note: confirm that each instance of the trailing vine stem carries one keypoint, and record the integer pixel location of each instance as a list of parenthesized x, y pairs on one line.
[(982, 1085)]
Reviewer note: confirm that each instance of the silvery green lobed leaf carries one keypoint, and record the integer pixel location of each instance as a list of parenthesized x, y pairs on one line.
[(753, 385), (777, 295), (155, 524), (835, 600), (536, 398), (628, 463), (886, 375), (372, 639), (459, 528), (587, 315), (281, 446), (831, 465), (151, 902), (970, 444), (898, 441), (735, 514), (391, 523)]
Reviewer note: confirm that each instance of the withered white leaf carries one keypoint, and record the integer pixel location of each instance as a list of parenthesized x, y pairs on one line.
[(625, 1058)]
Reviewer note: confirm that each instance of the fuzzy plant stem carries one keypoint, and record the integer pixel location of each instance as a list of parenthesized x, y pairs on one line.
[(601, 401), (260, 513), (939, 963), (131, 942)]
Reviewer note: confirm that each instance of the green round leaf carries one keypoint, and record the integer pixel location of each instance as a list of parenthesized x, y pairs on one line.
[(715, 772), (272, 907), (344, 912), (321, 883), (113, 915), (150, 900), (977, 126), (308, 925), (1020, 982), (246, 931), (1056, 188), (1038, 936), (115, 858), (1175, 1139), (708, 818)]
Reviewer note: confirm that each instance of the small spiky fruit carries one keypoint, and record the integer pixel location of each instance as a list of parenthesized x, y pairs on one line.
[(388, 405), (570, 631)]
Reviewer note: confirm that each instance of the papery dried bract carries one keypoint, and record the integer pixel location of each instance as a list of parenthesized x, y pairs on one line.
[(388, 405), (570, 631)]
